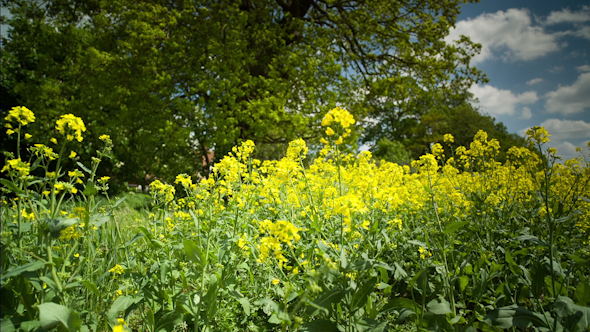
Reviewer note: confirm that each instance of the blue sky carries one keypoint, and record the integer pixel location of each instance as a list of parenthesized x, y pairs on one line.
[(537, 57)]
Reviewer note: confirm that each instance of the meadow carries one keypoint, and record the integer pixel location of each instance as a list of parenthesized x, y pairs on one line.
[(342, 242)]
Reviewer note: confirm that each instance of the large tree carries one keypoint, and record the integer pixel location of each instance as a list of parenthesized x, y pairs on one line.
[(171, 79)]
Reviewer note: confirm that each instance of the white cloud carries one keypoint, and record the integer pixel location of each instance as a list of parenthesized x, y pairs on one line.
[(563, 133), (570, 99), (510, 32), (561, 130), (577, 18), (583, 68), (534, 81), (526, 113), (555, 69), (501, 102), (582, 32), (567, 16)]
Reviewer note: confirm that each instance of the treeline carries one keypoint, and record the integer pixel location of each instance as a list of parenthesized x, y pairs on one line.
[(170, 81)]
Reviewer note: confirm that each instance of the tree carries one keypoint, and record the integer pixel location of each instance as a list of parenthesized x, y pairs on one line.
[(420, 122), (171, 79)]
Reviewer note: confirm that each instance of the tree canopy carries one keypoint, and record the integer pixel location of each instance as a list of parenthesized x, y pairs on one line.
[(169, 80)]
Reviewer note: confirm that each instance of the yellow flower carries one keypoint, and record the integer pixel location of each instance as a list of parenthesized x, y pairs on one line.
[(448, 138), (104, 138), (76, 255), (27, 136), (71, 123), (53, 140), (338, 141), (73, 154), (329, 131), (424, 252), (275, 281), (117, 269), (17, 166), (20, 114), (365, 224)]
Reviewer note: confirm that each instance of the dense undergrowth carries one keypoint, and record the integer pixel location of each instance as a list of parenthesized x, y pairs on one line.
[(454, 243)]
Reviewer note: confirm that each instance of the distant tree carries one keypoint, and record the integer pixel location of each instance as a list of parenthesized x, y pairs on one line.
[(171, 79), (420, 122)]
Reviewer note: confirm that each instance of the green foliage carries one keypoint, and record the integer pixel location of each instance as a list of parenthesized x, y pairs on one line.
[(422, 121), (170, 80), (391, 151)]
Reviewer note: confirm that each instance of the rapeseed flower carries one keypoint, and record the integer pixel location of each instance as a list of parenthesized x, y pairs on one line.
[(21, 114), (71, 126)]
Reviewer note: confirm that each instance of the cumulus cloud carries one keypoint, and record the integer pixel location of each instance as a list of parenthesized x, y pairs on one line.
[(563, 133), (526, 113), (561, 130), (510, 32), (570, 99), (578, 18), (567, 16), (583, 68), (501, 102), (534, 81)]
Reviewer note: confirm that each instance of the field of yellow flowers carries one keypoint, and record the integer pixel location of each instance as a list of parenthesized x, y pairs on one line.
[(455, 242)]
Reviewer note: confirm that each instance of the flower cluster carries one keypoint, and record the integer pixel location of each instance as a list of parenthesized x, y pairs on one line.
[(340, 116), (21, 115), (71, 126)]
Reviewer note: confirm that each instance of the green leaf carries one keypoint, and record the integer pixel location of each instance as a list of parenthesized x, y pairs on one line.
[(582, 293), (514, 316), (274, 319), (512, 264), (577, 317), (119, 201), (53, 314), (401, 302), (91, 287), (439, 306), (463, 282), (84, 168), (169, 320), (455, 226), (99, 220), (245, 305), (29, 267), (324, 302), (120, 304), (360, 296), (371, 325), (211, 296), (29, 325), (7, 324), (193, 252), (538, 279), (90, 189), (343, 260), (10, 185), (320, 325), (268, 303), (533, 239)]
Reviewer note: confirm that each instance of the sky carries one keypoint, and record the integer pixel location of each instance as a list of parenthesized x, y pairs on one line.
[(536, 54)]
